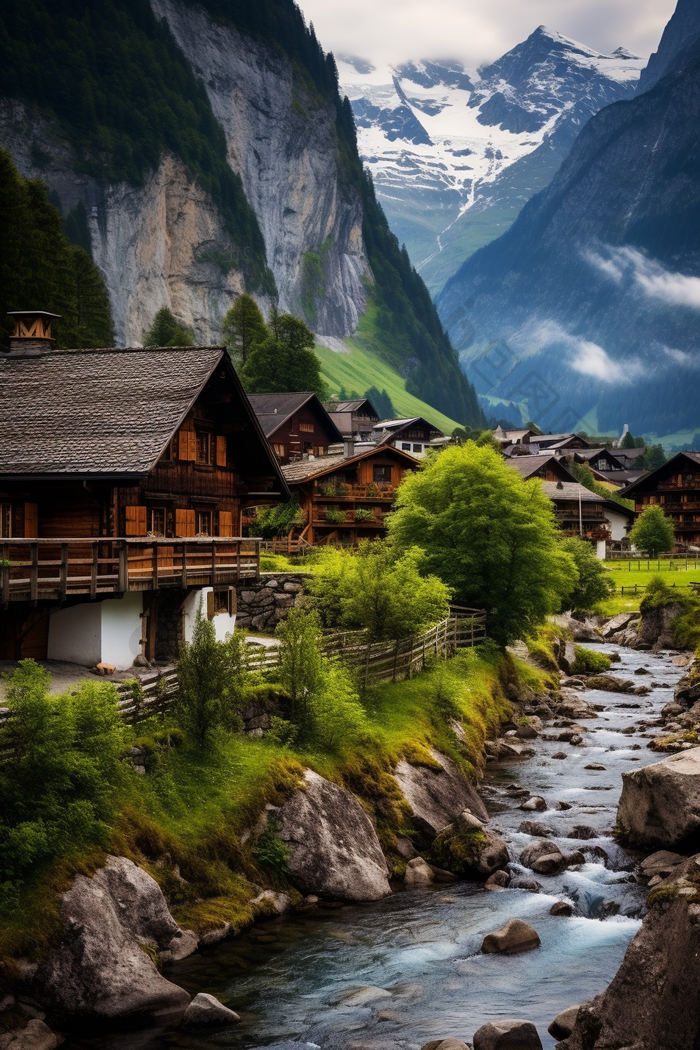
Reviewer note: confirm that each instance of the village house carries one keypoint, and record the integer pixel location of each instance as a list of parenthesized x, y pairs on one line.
[(506, 438), (414, 435), (296, 425), (556, 442), (354, 419), (345, 497), (675, 487), (123, 475)]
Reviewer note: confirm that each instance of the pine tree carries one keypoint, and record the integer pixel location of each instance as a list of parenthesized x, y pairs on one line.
[(243, 328), (285, 362), (167, 331)]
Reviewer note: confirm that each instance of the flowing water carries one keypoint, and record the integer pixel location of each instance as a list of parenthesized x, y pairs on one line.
[(408, 969)]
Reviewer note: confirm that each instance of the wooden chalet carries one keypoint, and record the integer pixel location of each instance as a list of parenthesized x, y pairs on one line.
[(547, 468), (296, 425), (345, 498), (355, 419), (675, 487), (599, 459), (554, 442), (414, 435), (123, 474), (578, 511)]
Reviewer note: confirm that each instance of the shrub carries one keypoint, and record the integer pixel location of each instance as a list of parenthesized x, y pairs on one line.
[(364, 514), (653, 532), (211, 675), (279, 520), (271, 854), (593, 585), (337, 717), (334, 515), (588, 660)]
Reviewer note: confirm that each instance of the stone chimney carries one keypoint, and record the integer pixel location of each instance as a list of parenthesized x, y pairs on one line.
[(349, 448), (32, 333)]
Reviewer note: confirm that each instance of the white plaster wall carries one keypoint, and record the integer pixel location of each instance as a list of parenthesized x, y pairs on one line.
[(617, 523), (601, 550), (121, 629), (75, 634), (223, 623)]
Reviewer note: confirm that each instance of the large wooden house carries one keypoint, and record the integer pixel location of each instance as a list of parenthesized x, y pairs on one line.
[(355, 418), (675, 487), (415, 435), (123, 474), (345, 498), (296, 425)]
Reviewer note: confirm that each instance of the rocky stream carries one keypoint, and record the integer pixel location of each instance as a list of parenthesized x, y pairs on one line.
[(407, 969)]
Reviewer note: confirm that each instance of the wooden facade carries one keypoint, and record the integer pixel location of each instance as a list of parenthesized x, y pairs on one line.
[(409, 435), (296, 425), (675, 487), (346, 499)]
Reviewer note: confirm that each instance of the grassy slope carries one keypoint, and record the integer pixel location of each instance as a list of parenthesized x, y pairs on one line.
[(360, 369), (184, 820), (639, 572)]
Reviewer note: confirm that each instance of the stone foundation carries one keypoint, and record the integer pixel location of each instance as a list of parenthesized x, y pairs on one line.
[(262, 603)]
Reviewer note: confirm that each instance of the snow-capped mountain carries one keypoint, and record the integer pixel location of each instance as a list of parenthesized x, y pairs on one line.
[(456, 153)]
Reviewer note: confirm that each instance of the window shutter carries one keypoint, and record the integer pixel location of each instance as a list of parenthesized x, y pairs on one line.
[(31, 520), (192, 446), (225, 523), (220, 451), (184, 522), (136, 521), (210, 605)]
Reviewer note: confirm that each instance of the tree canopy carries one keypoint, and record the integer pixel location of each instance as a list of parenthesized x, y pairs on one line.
[(167, 331), (593, 585), (488, 534), (285, 361), (653, 532), (243, 328), (41, 269)]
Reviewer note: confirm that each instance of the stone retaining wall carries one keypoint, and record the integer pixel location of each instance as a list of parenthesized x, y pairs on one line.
[(262, 603)]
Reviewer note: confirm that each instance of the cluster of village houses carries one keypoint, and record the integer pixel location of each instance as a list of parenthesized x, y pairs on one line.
[(127, 477)]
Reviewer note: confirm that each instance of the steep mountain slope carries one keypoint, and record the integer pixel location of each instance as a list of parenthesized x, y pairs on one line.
[(455, 154), (682, 27), (212, 152), (589, 303)]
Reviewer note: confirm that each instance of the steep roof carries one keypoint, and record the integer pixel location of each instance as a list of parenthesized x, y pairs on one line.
[(273, 410), (650, 478), (108, 411), (529, 465), (356, 405), (394, 427), (570, 491), (311, 468)]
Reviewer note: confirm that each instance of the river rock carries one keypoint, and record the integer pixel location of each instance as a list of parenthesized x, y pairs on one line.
[(507, 1035), (660, 804), (537, 850), (183, 944), (562, 908), (582, 831), (206, 1009), (99, 971), (656, 628), (534, 804), (515, 936), (661, 863), (272, 902), (653, 1001), (687, 691), (498, 881), (334, 849), (535, 827), (563, 1024), (437, 797), (466, 847), (34, 1036), (610, 683), (418, 873), (364, 996), (446, 1044), (521, 882), (618, 623)]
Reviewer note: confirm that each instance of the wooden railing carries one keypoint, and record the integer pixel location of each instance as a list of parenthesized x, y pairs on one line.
[(59, 568), (372, 490)]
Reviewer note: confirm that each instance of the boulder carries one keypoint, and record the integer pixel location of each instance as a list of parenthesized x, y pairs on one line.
[(507, 1035), (334, 849), (563, 1024), (609, 683), (687, 692), (534, 804), (100, 972), (562, 908), (535, 827), (618, 623), (661, 863), (445, 1044), (498, 881), (183, 944), (654, 999), (660, 804), (418, 873), (466, 847), (34, 1036), (656, 628), (584, 632), (206, 1009), (539, 851), (515, 936), (567, 657), (437, 797)]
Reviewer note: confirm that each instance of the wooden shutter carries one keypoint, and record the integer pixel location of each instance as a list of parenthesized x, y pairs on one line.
[(187, 445), (184, 522), (136, 521), (225, 523), (210, 605), (220, 451), (31, 520), (365, 471)]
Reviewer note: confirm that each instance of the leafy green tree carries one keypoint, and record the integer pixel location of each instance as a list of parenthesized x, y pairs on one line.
[(167, 331), (279, 520), (593, 584), (285, 361), (379, 589), (490, 535), (301, 666), (62, 771), (243, 328), (653, 532), (653, 458), (211, 676), (584, 475), (630, 441)]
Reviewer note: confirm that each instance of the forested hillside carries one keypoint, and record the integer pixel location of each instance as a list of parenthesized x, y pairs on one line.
[(125, 92)]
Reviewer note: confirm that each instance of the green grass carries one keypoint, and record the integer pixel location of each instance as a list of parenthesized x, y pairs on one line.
[(639, 572), (360, 369)]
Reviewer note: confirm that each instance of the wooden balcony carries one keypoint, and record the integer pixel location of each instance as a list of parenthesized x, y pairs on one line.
[(381, 491), (54, 569)]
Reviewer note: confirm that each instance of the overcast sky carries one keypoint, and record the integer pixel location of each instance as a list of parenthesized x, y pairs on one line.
[(476, 31)]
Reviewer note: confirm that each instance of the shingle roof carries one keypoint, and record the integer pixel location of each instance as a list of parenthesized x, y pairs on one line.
[(529, 465), (273, 410), (355, 406), (310, 468), (570, 490), (104, 411)]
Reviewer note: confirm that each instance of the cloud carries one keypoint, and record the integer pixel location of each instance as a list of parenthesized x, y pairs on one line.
[(480, 31), (682, 357), (585, 357), (649, 276)]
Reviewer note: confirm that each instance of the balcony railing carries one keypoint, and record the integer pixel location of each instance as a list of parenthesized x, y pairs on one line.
[(372, 491), (53, 569)]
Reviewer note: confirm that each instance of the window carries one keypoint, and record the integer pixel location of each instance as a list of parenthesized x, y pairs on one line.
[(222, 600), (417, 448), (203, 523), (279, 450), (5, 520), (156, 521), (169, 453), (205, 447), (308, 428), (406, 446), (382, 474)]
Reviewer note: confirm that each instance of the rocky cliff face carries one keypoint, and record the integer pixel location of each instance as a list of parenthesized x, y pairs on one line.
[(586, 309), (680, 32), (163, 243)]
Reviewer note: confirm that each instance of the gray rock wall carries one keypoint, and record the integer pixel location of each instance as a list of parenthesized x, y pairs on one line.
[(262, 603)]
